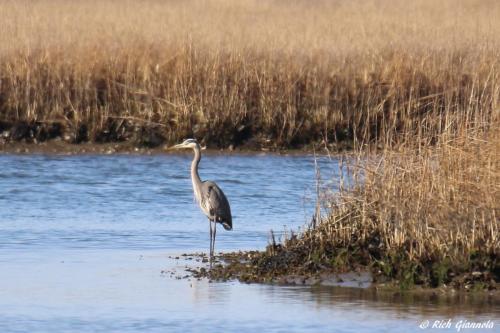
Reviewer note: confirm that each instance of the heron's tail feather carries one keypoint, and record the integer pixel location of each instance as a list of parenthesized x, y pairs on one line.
[(227, 226)]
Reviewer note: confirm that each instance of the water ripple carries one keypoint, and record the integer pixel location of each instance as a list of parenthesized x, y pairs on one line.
[(47, 198)]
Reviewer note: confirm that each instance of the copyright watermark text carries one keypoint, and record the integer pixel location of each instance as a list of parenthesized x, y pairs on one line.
[(458, 325)]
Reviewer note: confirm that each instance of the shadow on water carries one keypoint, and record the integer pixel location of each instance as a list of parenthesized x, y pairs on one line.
[(422, 303)]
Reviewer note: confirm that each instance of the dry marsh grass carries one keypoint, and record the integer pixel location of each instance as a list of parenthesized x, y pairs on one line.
[(418, 215), (421, 214), (232, 72)]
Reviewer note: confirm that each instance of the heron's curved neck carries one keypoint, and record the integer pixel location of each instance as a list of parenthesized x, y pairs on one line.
[(195, 177)]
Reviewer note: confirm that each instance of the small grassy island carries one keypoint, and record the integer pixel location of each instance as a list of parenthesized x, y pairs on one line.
[(418, 216)]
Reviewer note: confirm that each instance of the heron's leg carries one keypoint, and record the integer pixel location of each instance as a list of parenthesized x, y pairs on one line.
[(213, 242), (213, 238), (210, 254)]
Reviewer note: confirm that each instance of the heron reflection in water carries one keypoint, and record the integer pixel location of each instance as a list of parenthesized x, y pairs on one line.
[(209, 196)]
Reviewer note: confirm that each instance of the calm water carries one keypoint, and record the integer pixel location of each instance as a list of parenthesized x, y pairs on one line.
[(84, 241)]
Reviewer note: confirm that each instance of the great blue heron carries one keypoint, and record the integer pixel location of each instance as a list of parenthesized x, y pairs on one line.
[(209, 196)]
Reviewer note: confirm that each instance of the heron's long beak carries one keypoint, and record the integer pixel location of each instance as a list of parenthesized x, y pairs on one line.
[(180, 145)]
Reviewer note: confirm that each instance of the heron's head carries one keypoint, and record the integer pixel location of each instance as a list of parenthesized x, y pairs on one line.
[(188, 143)]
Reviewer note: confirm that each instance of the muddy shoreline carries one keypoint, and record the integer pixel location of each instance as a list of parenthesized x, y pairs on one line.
[(60, 147), (253, 267)]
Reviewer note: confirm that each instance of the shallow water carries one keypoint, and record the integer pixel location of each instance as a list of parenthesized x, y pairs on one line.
[(85, 242)]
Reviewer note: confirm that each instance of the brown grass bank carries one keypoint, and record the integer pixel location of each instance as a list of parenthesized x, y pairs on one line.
[(250, 73)]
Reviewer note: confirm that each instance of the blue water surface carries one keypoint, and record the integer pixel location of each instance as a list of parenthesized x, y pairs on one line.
[(87, 243)]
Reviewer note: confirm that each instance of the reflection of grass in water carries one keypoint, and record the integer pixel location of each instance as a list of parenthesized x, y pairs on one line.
[(427, 303), (227, 71)]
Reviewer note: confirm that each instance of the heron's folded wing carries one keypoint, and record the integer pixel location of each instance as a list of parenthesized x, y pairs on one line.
[(217, 203)]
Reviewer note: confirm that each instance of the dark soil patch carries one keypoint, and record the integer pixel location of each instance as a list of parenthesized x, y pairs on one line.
[(280, 266)]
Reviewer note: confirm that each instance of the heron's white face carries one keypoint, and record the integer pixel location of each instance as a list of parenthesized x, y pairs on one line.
[(188, 143)]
